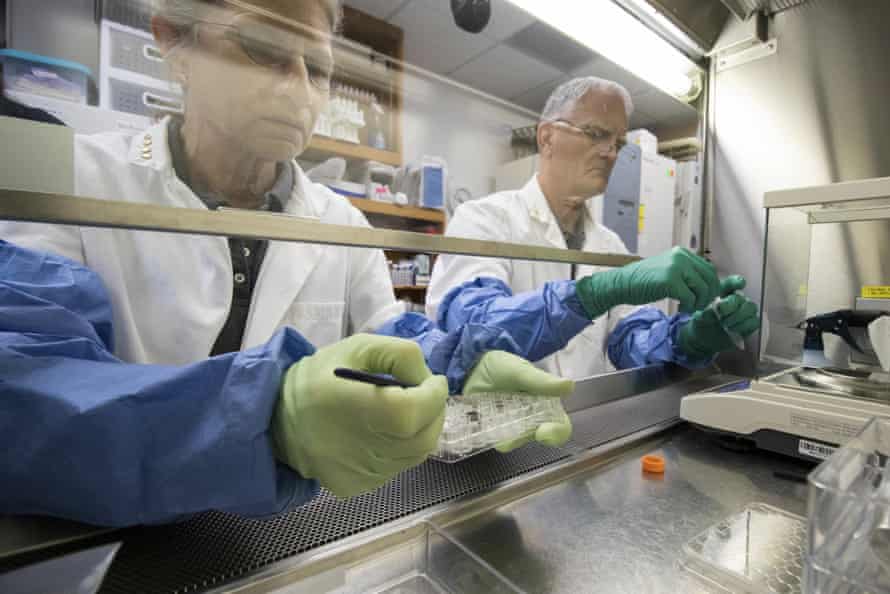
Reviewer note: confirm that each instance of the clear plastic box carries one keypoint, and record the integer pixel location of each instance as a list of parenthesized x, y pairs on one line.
[(447, 566), (848, 548), (759, 550), (430, 562), (476, 423), (25, 72)]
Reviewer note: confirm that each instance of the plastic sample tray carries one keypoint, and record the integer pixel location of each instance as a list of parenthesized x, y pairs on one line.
[(759, 550), (476, 423)]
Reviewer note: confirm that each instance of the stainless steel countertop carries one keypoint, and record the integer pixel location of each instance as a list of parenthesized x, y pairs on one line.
[(616, 530), (20, 534)]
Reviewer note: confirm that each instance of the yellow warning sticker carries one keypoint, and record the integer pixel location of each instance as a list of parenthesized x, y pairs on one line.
[(642, 217), (876, 292)]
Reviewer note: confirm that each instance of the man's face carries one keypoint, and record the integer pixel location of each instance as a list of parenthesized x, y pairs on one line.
[(585, 144), (259, 82)]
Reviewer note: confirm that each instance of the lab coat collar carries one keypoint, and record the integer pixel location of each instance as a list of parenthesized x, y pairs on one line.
[(302, 203), (286, 267), (590, 216), (150, 148), (539, 210)]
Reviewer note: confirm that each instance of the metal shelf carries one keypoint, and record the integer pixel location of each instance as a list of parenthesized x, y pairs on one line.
[(322, 147)]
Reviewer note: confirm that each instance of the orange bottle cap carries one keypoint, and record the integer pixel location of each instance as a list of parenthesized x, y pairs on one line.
[(653, 463)]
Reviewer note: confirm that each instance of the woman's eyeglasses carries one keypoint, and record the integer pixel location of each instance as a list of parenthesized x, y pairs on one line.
[(269, 47)]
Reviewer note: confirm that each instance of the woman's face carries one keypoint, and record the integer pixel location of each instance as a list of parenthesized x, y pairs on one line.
[(260, 83)]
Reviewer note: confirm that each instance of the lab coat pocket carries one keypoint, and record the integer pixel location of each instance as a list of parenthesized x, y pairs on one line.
[(320, 323)]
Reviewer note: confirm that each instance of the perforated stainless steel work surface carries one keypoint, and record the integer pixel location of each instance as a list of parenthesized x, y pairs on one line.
[(215, 548)]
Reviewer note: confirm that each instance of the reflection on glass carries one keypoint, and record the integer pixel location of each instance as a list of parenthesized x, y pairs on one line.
[(271, 107), (252, 80), (192, 358), (786, 284)]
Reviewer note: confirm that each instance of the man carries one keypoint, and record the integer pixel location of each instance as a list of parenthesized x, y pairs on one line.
[(578, 328)]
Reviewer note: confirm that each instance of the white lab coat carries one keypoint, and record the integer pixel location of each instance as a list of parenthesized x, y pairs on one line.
[(524, 217), (171, 293)]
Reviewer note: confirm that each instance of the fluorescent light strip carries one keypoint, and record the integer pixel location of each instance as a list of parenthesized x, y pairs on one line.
[(612, 32), (665, 27)]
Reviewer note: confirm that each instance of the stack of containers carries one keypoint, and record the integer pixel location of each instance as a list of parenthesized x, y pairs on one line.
[(403, 273), (344, 117), (24, 72)]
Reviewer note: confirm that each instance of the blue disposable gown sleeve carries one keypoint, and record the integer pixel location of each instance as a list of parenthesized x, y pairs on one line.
[(484, 315), (87, 437), (649, 336)]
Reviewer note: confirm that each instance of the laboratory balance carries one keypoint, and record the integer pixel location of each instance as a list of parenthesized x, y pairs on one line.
[(823, 366)]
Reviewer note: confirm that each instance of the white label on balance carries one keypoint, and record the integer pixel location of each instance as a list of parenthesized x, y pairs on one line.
[(816, 450)]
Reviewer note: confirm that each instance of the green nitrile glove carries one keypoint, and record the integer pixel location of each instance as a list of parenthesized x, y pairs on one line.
[(709, 332), (501, 372), (676, 274), (351, 436)]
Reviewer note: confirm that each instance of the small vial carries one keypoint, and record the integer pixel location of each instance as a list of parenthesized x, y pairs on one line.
[(471, 424), (526, 410), (501, 422), (514, 410)]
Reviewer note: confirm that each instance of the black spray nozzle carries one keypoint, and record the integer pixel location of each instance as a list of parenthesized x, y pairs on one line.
[(838, 323)]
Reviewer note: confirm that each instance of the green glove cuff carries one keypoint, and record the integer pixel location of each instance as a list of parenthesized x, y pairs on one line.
[(597, 292), (287, 450), (690, 347)]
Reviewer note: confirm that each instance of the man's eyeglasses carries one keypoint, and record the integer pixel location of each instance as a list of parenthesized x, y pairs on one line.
[(600, 137), (267, 46)]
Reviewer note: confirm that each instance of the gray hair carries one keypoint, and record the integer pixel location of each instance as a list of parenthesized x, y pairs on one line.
[(183, 12), (567, 95)]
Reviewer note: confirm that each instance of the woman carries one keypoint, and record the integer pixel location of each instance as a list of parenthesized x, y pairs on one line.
[(151, 429)]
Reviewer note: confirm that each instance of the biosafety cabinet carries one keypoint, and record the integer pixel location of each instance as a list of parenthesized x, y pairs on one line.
[(773, 126)]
